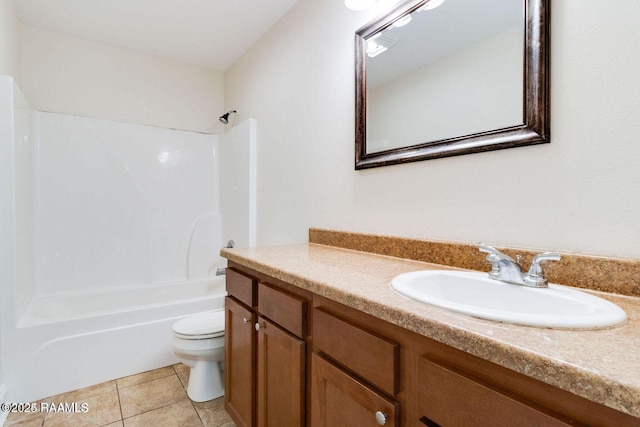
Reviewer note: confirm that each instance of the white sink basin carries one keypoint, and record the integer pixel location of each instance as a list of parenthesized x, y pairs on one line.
[(477, 295)]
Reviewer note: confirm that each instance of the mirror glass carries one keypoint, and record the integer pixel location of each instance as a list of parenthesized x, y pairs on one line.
[(440, 78)]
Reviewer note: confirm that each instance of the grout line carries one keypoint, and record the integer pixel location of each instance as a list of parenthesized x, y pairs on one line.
[(197, 412), (191, 401), (118, 389), (147, 381), (119, 403), (154, 409)]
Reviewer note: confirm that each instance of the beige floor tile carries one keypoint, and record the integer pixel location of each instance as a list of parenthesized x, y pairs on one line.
[(102, 409), (144, 377), (153, 394), (155, 398), (180, 414), (16, 419), (81, 393), (183, 372), (212, 412)]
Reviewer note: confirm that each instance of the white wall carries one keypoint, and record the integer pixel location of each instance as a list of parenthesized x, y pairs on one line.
[(64, 74), (580, 193), (10, 30)]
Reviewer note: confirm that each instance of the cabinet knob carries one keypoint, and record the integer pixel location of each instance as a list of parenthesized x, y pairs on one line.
[(246, 320), (381, 418), (258, 326)]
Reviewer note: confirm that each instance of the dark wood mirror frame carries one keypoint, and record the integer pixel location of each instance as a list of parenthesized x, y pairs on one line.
[(534, 130)]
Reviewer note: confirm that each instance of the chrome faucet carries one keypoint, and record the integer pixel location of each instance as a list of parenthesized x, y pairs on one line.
[(506, 269), (223, 270), (535, 277)]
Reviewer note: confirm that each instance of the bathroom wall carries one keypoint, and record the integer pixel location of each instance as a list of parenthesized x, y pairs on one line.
[(64, 74), (580, 193), (10, 30)]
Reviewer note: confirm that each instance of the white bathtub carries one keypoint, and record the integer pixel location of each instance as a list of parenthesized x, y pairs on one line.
[(77, 340)]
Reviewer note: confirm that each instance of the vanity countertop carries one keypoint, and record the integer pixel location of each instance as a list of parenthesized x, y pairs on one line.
[(600, 365)]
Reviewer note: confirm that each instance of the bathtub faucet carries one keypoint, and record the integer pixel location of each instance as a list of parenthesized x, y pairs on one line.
[(222, 271)]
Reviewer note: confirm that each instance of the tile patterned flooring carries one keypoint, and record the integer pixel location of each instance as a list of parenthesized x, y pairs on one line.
[(153, 398)]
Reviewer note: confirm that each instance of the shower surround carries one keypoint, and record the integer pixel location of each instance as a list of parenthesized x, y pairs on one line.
[(113, 232)]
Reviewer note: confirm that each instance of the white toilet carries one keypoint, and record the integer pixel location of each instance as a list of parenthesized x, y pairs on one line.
[(198, 341)]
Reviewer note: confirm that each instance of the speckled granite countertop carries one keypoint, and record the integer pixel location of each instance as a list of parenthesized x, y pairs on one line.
[(601, 365)]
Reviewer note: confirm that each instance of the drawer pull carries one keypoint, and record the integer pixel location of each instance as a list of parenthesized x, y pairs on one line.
[(246, 320), (381, 418), (428, 422), (258, 326)]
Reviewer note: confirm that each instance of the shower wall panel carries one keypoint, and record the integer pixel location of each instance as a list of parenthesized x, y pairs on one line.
[(117, 203)]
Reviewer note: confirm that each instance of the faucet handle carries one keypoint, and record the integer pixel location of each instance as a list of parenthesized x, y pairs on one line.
[(487, 249), (535, 277), (494, 257), (494, 254)]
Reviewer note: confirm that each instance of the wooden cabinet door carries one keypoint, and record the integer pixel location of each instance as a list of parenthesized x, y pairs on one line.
[(240, 378), (281, 377), (337, 399)]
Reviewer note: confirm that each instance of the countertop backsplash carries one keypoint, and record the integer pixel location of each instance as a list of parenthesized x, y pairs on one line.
[(619, 276)]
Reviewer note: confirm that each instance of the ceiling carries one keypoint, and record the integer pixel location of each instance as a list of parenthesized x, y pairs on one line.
[(210, 33)]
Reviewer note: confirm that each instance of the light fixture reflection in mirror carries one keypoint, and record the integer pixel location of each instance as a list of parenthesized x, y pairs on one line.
[(463, 76), (359, 4)]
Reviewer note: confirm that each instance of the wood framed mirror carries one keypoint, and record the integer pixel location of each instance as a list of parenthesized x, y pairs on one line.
[(444, 78)]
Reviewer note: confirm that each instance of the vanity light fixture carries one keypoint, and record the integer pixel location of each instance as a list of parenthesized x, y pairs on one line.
[(359, 4)]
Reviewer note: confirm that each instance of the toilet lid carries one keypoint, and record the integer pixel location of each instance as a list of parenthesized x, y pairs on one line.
[(207, 323)]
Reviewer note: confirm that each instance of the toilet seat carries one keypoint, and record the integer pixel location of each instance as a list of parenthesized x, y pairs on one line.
[(200, 326)]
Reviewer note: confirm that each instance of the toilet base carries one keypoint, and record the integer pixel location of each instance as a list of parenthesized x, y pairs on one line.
[(205, 381)]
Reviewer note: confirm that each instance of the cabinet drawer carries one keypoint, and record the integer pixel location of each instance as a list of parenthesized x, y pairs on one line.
[(368, 355), (338, 399), (242, 287), (286, 310), (448, 397)]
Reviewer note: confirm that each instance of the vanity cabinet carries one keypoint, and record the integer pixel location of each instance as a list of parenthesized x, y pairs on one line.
[(281, 358), (449, 397), (266, 361), (315, 362), (240, 349), (435, 385), (340, 399), (354, 377)]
